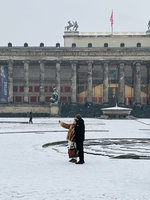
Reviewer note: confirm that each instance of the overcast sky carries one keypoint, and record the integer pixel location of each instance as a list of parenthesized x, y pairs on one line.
[(35, 21)]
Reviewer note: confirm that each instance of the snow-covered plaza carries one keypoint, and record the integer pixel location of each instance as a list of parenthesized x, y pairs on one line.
[(31, 171)]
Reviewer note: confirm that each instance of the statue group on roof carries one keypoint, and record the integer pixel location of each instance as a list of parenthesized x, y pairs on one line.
[(72, 26)]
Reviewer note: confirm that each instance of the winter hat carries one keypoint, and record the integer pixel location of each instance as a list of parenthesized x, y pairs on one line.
[(78, 116)]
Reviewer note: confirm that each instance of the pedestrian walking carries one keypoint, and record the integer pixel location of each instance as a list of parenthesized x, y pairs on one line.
[(79, 137), (30, 118)]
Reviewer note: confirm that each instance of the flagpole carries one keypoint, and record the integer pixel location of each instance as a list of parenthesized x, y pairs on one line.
[(112, 29)]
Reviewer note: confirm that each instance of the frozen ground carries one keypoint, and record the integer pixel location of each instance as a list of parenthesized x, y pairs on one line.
[(30, 172)]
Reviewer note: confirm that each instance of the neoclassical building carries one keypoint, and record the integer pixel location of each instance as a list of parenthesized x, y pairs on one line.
[(90, 68)]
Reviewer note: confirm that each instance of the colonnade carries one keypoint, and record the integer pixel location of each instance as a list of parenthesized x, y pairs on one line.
[(74, 65)]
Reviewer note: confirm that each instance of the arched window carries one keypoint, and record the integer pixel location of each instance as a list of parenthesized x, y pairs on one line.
[(9, 44), (122, 45), (89, 45), (25, 44), (138, 45), (57, 45), (73, 45), (105, 44), (41, 44)]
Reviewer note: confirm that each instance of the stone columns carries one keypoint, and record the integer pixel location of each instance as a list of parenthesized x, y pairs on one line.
[(105, 83), (26, 83), (148, 84), (121, 83), (137, 84), (10, 81), (58, 78), (90, 85), (42, 98), (74, 82)]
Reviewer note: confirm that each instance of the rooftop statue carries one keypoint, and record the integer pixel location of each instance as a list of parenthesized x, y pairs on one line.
[(72, 26), (54, 97)]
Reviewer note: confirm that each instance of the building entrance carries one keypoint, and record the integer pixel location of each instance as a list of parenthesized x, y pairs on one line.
[(112, 95)]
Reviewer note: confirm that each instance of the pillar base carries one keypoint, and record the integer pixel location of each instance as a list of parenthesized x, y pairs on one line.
[(137, 104), (54, 110), (121, 104), (106, 104)]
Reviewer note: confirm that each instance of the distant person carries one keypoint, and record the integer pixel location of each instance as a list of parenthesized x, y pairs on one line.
[(30, 118), (79, 137), (71, 139)]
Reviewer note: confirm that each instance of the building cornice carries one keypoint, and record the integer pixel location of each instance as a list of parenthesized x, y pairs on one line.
[(63, 53)]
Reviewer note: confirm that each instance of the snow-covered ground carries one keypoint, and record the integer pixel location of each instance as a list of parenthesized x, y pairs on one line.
[(30, 172)]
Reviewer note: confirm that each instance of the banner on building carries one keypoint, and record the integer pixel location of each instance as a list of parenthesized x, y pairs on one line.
[(3, 83)]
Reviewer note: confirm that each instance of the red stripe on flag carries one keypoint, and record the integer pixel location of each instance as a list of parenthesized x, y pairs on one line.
[(111, 18)]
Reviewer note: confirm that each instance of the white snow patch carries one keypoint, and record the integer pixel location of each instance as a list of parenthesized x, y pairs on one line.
[(30, 172)]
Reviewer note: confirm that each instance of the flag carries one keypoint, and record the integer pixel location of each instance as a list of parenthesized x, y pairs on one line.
[(111, 18), (112, 22)]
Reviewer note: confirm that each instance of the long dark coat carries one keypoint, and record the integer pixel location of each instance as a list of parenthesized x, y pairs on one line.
[(79, 131)]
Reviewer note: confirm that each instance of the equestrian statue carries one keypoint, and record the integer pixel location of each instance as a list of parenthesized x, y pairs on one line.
[(72, 26)]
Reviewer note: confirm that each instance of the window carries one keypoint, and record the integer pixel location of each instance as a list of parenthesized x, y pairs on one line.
[(33, 99), (18, 99), (57, 45), (41, 44), (89, 45), (69, 99), (9, 44), (105, 44), (112, 75), (21, 89), (67, 89), (138, 45), (122, 45), (73, 45), (51, 89), (63, 98), (36, 88), (46, 89), (47, 99), (25, 44)]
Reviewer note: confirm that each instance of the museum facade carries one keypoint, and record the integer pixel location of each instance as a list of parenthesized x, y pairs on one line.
[(89, 68)]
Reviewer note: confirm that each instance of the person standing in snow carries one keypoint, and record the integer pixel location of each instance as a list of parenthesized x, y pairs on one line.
[(70, 136), (79, 137)]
